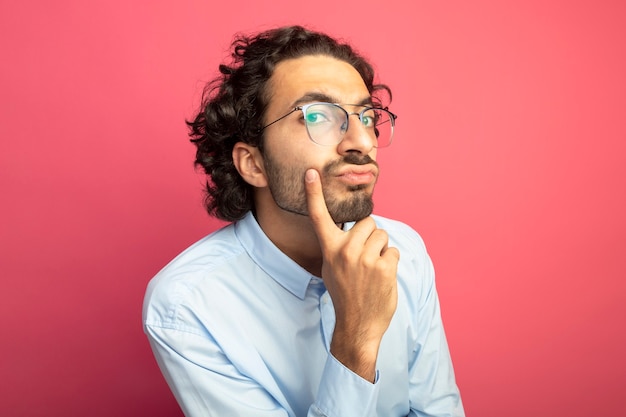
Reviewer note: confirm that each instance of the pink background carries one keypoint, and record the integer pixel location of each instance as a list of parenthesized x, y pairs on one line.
[(510, 160)]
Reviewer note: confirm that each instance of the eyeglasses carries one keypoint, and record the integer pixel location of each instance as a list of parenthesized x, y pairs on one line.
[(327, 123)]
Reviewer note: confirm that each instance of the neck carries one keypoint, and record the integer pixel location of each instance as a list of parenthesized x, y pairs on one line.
[(293, 234)]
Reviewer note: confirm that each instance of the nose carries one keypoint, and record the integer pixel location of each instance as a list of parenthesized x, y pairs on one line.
[(357, 138)]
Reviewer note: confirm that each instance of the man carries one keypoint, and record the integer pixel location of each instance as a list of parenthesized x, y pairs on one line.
[(306, 305)]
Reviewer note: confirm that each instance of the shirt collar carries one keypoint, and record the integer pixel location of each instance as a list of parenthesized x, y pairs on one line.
[(269, 258)]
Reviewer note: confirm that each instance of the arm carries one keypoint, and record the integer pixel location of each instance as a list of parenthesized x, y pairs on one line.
[(359, 271), (432, 387), (205, 381)]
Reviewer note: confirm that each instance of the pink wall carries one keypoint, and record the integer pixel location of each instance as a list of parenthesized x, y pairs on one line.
[(510, 160)]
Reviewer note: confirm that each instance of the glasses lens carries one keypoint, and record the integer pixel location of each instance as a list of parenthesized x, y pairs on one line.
[(326, 123), (382, 123)]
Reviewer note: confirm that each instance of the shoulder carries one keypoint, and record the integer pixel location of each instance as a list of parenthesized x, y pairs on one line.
[(187, 278), (204, 255)]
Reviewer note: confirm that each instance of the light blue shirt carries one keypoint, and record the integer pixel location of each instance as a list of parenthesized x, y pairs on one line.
[(240, 329)]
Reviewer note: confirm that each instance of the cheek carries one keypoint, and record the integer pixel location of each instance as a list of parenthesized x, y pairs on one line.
[(297, 154), (305, 157)]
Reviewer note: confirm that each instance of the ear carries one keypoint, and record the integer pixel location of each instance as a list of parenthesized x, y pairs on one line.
[(249, 164)]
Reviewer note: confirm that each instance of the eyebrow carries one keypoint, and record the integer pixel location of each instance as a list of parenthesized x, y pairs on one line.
[(325, 98)]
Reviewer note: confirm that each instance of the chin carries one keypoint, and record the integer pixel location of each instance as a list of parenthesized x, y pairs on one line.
[(351, 210)]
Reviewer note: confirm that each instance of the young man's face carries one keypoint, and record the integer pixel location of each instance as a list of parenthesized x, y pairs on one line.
[(348, 169)]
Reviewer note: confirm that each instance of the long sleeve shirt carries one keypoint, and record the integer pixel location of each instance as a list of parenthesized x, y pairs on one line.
[(240, 329)]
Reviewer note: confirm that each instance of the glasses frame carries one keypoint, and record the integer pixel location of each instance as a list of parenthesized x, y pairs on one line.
[(305, 107)]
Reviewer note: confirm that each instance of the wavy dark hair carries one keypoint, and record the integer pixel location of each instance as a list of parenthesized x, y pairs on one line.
[(233, 105)]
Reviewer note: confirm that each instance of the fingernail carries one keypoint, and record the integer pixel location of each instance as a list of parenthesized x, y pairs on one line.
[(310, 175)]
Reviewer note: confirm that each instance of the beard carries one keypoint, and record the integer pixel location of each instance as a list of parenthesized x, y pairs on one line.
[(286, 184)]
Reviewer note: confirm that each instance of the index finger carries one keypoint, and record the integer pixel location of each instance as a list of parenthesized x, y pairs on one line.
[(323, 222)]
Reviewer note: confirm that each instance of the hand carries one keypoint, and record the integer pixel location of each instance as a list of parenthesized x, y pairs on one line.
[(359, 272)]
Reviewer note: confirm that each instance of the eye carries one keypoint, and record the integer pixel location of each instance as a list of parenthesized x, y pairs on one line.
[(317, 116), (369, 118)]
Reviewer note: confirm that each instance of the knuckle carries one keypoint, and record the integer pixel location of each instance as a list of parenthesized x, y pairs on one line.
[(371, 263), (384, 268), (366, 225), (344, 254), (315, 216), (380, 235), (369, 222)]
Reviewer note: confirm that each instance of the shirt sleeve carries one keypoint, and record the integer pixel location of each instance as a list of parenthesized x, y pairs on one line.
[(342, 393), (432, 386), (206, 383)]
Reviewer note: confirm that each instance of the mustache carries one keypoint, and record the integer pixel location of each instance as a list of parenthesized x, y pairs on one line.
[(353, 159), (356, 159)]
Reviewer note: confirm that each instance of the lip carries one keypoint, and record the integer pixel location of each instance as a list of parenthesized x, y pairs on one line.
[(358, 175)]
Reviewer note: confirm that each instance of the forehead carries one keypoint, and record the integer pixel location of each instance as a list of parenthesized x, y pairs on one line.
[(314, 75)]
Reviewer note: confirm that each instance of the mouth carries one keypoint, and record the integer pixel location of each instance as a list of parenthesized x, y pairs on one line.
[(358, 175)]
